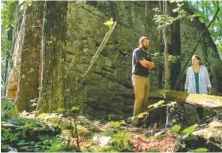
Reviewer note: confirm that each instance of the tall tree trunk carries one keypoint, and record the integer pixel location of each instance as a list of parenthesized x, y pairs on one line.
[(52, 95), (28, 86), (176, 51), (166, 79)]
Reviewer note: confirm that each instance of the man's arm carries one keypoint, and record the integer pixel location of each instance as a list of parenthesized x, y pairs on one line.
[(147, 64)]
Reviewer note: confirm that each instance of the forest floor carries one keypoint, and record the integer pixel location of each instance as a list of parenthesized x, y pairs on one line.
[(54, 132), (119, 136)]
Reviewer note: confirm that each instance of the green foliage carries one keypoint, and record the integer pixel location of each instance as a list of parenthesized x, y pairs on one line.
[(75, 109), (186, 132), (8, 14), (153, 150), (56, 145), (109, 23), (107, 133), (140, 116), (176, 128), (61, 110), (200, 150), (205, 11), (165, 20), (189, 129), (91, 134), (121, 141), (116, 124), (72, 113), (8, 109), (121, 136), (159, 104), (159, 58), (27, 135), (173, 59), (156, 105), (8, 136), (25, 4)]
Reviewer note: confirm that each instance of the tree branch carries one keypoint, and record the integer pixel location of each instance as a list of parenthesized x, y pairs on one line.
[(102, 45)]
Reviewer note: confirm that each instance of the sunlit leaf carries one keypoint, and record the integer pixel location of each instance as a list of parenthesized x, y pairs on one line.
[(201, 150), (189, 129), (109, 23), (176, 128), (75, 108), (142, 115), (155, 105)]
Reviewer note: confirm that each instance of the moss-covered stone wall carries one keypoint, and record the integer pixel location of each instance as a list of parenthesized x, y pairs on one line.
[(107, 91)]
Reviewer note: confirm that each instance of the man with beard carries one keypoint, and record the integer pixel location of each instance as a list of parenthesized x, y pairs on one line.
[(141, 64)]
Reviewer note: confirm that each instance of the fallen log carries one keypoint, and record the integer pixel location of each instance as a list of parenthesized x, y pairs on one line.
[(200, 100)]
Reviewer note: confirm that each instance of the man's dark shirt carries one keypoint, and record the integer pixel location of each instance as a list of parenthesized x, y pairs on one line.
[(137, 68)]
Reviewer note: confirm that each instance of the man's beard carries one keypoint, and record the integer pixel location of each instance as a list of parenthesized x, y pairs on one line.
[(145, 47)]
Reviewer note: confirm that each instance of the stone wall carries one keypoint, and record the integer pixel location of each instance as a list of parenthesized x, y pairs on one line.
[(107, 91)]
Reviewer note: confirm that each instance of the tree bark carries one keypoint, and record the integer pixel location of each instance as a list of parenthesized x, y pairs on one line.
[(28, 86), (52, 95), (167, 85)]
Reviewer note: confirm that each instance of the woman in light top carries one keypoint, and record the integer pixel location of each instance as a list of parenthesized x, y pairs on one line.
[(197, 80)]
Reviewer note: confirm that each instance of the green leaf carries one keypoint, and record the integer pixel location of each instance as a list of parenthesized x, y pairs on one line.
[(107, 133), (201, 150), (75, 108), (116, 124), (176, 128), (176, 9), (61, 110), (189, 129), (201, 20), (142, 115), (159, 103)]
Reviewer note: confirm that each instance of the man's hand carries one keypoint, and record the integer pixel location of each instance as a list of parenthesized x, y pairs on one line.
[(147, 64)]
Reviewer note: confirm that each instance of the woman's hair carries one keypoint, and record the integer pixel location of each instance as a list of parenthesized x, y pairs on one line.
[(198, 58)]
